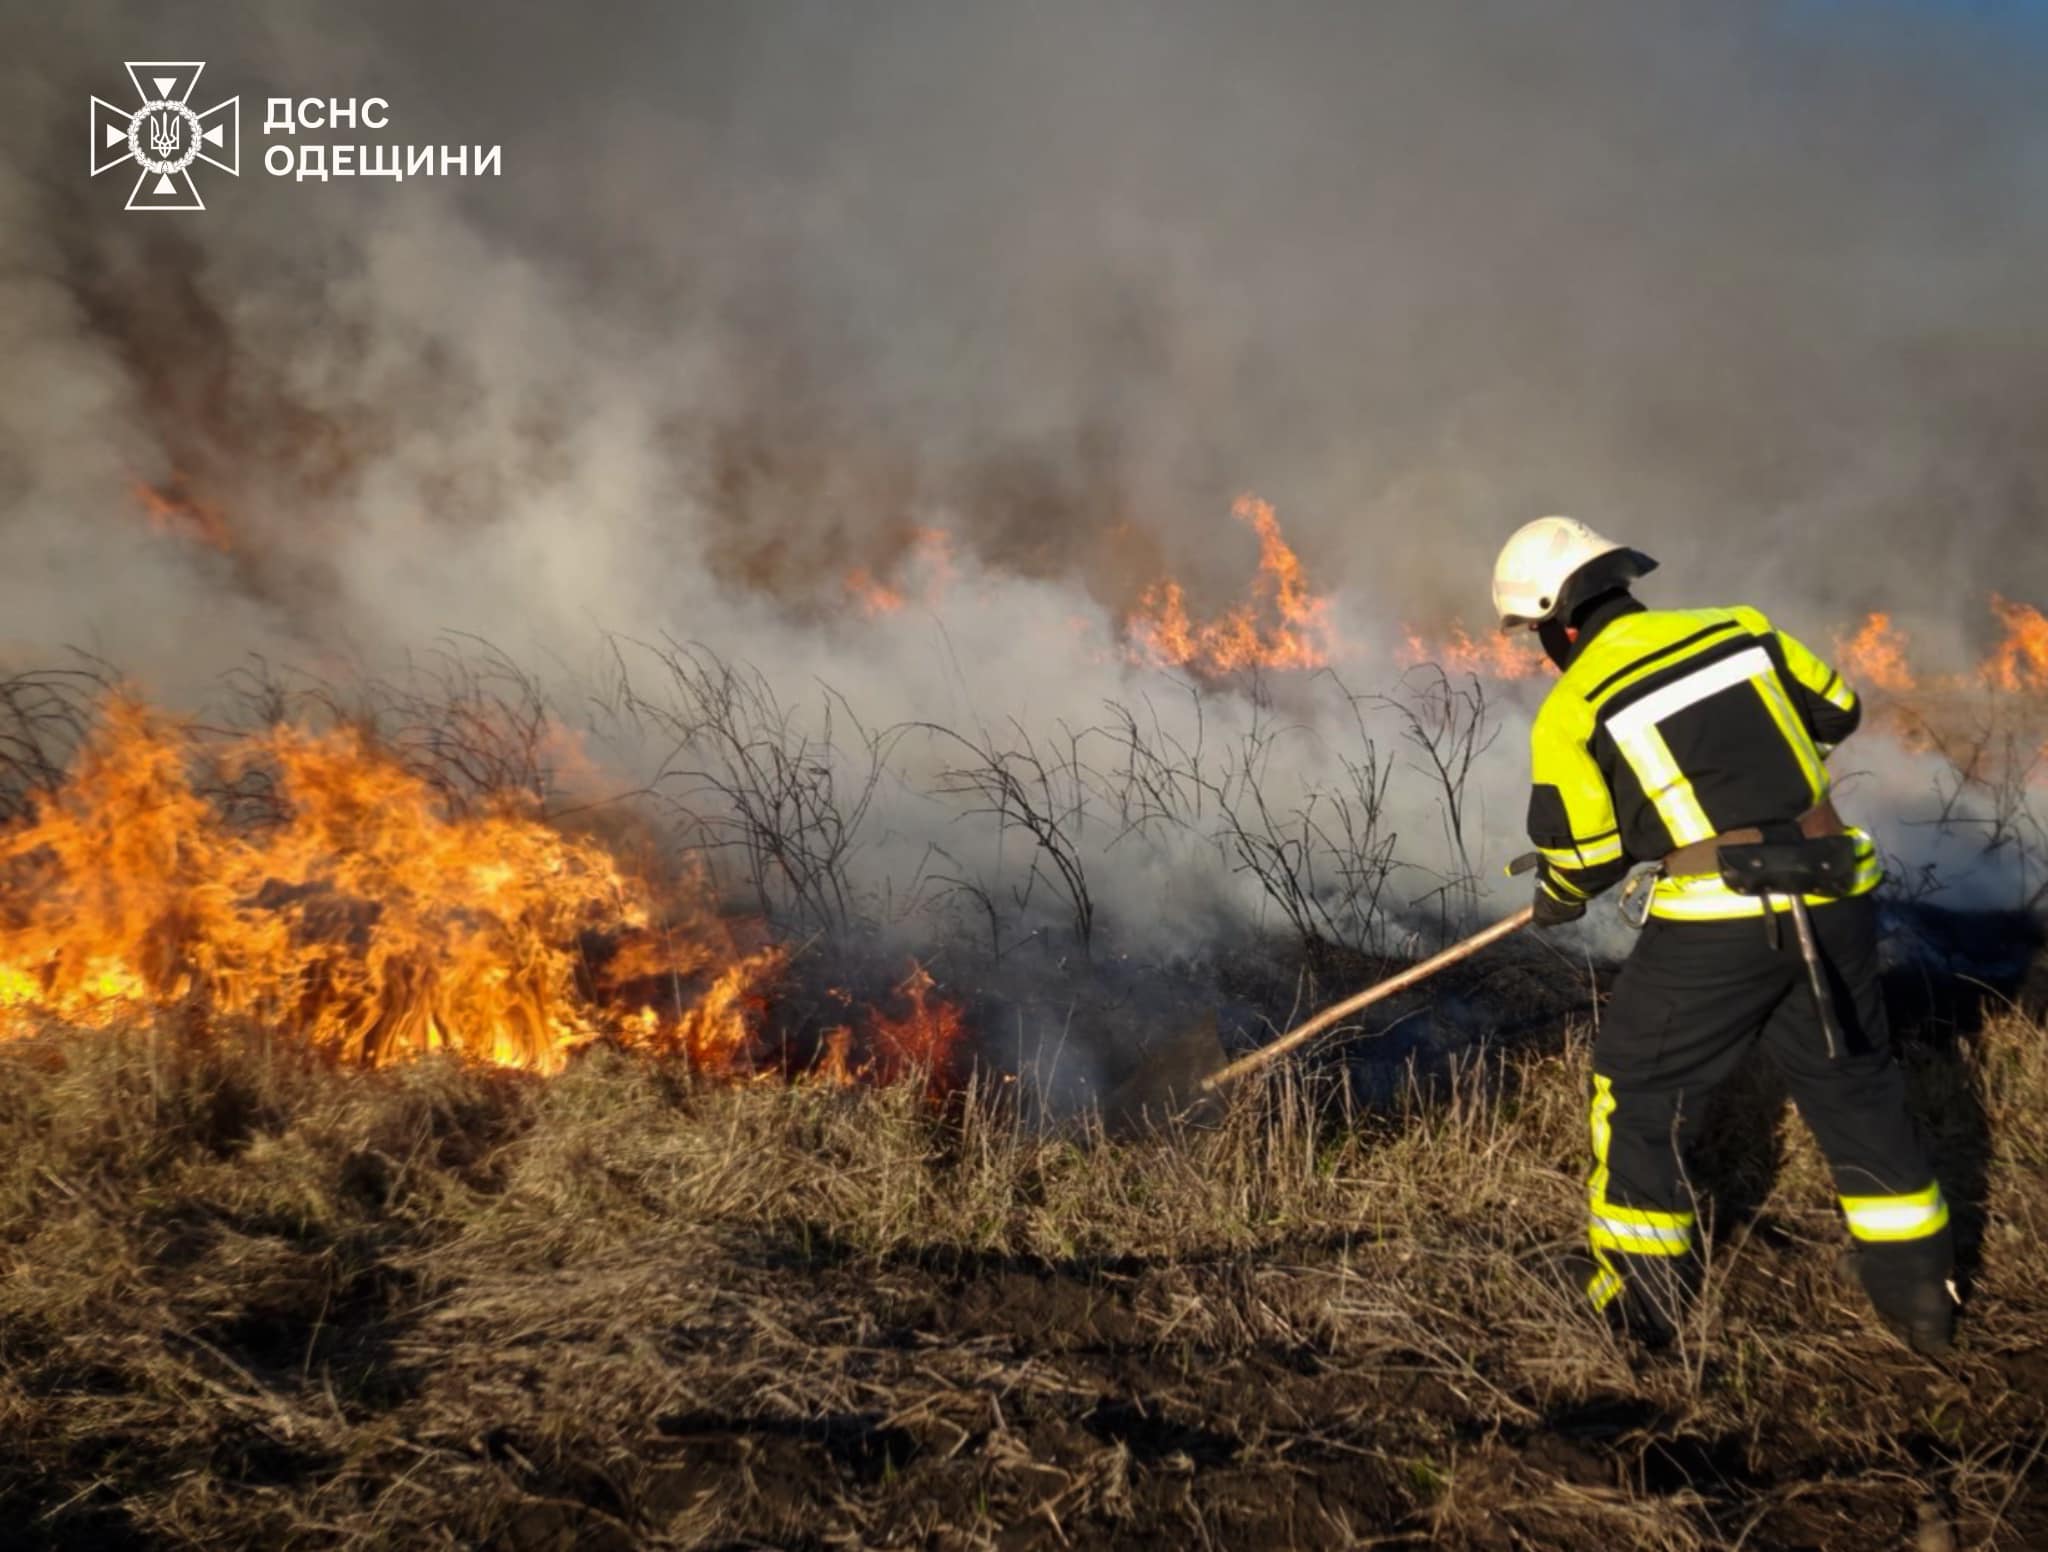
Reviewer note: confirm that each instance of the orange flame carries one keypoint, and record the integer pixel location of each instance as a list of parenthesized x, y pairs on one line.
[(922, 1039), (1494, 655), (172, 509), (872, 598), (1284, 625), (361, 915), (2019, 663), (930, 558), (1943, 711), (834, 1067), (1876, 656), (920, 1042)]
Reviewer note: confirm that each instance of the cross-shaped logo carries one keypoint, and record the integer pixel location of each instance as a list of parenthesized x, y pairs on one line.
[(165, 137)]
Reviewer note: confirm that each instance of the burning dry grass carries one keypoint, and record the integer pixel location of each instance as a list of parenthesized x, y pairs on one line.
[(356, 908), (1284, 624), (311, 880), (252, 1299)]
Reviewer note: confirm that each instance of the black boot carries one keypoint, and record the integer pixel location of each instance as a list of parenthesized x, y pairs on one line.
[(1916, 1305), (1650, 1305)]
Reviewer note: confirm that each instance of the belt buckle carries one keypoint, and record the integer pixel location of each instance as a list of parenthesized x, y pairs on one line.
[(1643, 884)]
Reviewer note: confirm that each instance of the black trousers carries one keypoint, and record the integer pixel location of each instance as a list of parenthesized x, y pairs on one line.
[(1691, 1002)]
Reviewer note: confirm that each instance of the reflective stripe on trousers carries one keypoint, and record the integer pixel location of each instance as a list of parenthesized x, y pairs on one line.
[(1884, 1219), (1611, 1227)]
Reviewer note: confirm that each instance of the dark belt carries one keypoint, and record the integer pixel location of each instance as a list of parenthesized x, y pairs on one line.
[(1705, 856)]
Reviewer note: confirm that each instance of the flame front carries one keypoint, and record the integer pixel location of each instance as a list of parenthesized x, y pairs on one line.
[(1283, 625), (2020, 662), (1494, 655), (1876, 656), (917, 1043), (1992, 722), (357, 911), (920, 1039)]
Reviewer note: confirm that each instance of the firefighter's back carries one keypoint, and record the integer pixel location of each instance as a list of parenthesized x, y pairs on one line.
[(1700, 722)]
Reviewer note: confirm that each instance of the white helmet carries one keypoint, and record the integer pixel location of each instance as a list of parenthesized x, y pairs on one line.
[(1553, 565)]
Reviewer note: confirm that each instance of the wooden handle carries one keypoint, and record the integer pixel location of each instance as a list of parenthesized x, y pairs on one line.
[(1412, 976)]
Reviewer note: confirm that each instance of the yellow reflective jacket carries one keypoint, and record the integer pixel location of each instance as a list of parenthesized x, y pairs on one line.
[(1672, 726)]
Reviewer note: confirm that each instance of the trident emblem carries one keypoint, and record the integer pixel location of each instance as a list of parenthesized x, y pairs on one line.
[(163, 134)]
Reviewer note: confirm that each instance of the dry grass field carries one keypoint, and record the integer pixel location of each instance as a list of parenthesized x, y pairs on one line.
[(252, 1299)]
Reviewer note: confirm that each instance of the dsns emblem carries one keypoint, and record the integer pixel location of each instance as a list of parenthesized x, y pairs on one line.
[(165, 136)]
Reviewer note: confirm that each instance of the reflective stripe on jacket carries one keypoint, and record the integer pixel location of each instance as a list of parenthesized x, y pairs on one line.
[(1672, 726)]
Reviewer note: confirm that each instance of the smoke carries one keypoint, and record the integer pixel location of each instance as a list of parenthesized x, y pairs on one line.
[(765, 291)]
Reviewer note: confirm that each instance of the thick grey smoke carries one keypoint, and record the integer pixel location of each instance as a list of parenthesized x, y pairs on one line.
[(765, 290)]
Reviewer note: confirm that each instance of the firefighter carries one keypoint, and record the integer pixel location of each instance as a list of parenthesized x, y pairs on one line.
[(1675, 737)]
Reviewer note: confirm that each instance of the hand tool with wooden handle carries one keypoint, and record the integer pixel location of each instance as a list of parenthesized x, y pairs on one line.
[(1414, 975)]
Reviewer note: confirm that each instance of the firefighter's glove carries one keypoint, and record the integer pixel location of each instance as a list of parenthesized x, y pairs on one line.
[(1553, 912)]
